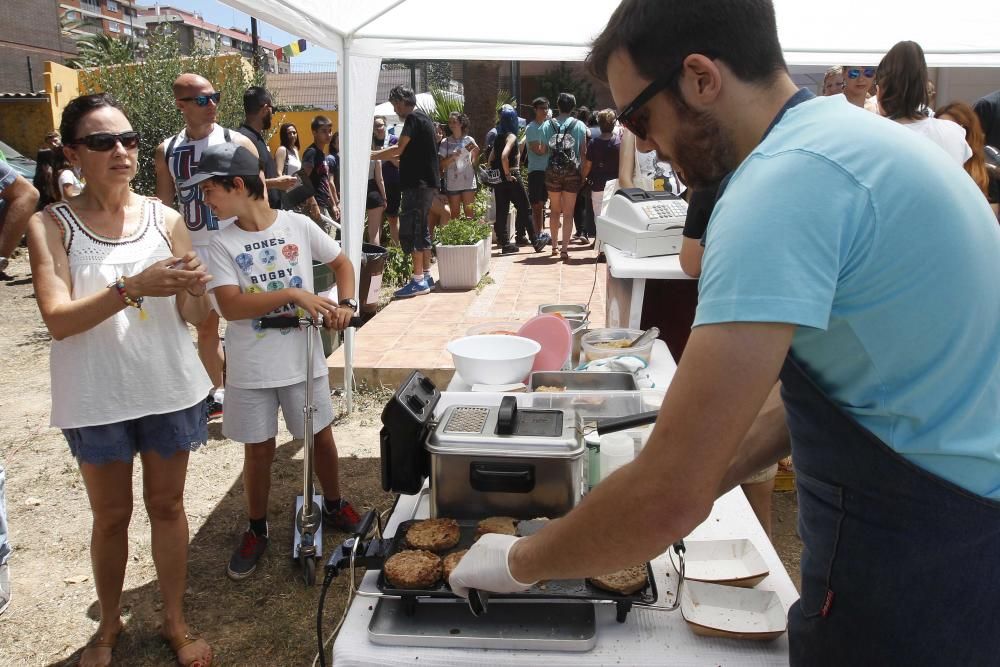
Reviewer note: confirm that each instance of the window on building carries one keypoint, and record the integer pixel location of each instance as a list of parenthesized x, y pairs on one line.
[(112, 6), (226, 41), (128, 30), (114, 27), (91, 5)]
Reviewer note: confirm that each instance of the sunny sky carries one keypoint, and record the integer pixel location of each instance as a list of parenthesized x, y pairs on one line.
[(215, 12)]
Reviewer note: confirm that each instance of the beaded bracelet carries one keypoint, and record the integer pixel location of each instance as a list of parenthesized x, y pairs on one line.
[(129, 301)]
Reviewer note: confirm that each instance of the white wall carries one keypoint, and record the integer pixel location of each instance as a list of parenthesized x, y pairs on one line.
[(965, 84)]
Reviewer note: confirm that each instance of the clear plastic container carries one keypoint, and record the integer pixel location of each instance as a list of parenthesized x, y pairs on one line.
[(605, 343)]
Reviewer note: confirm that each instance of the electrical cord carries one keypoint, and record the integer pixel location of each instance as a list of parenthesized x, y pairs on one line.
[(352, 588)]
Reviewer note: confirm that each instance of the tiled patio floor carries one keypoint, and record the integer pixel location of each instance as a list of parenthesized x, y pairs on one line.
[(412, 333)]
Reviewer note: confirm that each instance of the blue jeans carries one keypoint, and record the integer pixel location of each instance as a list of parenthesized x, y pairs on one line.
[(4, 544)]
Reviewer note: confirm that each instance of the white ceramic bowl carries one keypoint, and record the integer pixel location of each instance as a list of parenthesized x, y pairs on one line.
[(493, 359)]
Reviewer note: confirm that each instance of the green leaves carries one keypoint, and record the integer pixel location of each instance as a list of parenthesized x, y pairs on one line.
[(462, 231), (103, 49)]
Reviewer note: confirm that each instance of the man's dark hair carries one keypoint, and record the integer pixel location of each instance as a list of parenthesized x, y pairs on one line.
[(255, 186), (320, 121), (902, 81), (254, 99), (80, 107), (540, 102), (403, 94), (659, 34), (565, 102), (583, 114)]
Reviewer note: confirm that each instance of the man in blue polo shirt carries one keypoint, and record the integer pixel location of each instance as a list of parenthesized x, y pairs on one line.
[(862, 267)]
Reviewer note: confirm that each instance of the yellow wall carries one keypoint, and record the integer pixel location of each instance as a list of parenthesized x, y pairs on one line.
[(23, 124), (62, 84), (302, 121)]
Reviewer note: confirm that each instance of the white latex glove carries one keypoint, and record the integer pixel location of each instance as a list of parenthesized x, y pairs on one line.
[(485, 567)]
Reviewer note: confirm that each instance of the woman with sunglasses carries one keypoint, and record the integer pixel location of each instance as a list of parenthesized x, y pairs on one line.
[(116, 279), (857, 86), (902, 97)]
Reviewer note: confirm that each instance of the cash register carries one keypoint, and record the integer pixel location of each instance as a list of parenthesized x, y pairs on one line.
[(643, 224)]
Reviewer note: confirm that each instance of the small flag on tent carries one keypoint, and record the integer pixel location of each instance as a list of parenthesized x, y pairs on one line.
[(293, 49)]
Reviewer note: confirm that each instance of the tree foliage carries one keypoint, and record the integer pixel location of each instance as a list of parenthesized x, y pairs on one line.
[(144, 91), (562, 80), (102, 49)]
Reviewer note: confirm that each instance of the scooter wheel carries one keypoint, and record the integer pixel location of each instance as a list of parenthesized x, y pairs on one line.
[(308, 570)]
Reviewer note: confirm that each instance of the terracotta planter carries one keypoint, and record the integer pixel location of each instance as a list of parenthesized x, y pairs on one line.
[(462, 266)]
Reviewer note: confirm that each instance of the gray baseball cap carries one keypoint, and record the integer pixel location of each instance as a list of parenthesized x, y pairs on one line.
[(227, 159)]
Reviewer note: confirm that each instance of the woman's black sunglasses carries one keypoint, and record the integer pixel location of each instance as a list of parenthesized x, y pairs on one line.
[(105, 141), (203, 100)]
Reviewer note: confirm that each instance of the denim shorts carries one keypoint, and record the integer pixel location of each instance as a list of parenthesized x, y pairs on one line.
[(181, 431)]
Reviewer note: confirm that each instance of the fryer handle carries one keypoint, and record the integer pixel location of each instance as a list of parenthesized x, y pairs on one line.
[(365, 524), (625, 423)]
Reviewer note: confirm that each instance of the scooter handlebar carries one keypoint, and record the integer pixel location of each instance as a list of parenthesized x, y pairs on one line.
[(293, 322)]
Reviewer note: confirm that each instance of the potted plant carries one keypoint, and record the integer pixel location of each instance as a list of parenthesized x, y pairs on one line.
[(463, 253)]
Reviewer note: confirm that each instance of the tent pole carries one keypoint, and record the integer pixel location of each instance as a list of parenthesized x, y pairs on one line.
[(346, 224)]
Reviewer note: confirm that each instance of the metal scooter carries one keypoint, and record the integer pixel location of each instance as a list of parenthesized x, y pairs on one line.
[(307, 533)]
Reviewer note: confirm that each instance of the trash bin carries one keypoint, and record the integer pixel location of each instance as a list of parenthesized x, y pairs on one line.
[(372, 264), (323, 280)]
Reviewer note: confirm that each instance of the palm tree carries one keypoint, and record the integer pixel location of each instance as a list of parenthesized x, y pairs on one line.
[(101, 49), (481, 79)]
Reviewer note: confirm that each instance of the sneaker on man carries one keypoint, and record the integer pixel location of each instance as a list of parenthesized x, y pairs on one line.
[(214, 407), (412, 288), (522, 241), (244, 560), (4, 587), (509, 249), (429, 279), (545, 236), (345, 519), (539, 244)]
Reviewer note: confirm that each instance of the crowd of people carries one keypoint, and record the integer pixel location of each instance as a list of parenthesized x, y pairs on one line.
[(234, 231)]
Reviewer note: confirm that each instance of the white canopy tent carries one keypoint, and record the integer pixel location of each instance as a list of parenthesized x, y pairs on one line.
[(959, 34)]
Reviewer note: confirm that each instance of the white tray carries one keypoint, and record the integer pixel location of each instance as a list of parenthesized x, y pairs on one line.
[(712, 610), (730, 562)]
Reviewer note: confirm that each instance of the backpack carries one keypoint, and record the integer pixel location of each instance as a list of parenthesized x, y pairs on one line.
[(562, 155)]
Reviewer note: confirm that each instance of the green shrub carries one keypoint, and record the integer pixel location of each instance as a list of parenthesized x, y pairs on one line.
[(398, 267), (462, 231)]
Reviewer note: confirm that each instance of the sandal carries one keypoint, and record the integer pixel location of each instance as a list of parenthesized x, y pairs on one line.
[(564, 256), (102, 641), (555, 252), (178, 644)]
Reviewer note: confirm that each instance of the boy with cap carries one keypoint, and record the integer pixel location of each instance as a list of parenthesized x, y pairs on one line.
[(262, 266)]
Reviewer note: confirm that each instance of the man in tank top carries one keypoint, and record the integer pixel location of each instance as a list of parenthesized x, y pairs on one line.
[(177, 160)]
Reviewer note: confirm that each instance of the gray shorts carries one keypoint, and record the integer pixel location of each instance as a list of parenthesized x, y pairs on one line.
[(251, 415), (414, 207), (181, 431)]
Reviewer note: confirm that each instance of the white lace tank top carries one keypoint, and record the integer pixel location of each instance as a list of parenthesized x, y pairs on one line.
[(125, 367)]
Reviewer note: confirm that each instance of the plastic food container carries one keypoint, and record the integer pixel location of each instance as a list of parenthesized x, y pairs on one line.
[(494, 329), (496, 359), (605, 343)]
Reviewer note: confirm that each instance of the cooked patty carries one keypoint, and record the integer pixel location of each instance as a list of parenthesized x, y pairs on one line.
[(413, 569), (433, 534), (451, 562), (625, 582), (503, 525)]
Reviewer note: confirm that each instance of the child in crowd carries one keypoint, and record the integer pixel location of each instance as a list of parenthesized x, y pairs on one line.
[(262, 266)]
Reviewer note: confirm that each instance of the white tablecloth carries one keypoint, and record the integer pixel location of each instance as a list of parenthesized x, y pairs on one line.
[(664, 267), (648, 637)]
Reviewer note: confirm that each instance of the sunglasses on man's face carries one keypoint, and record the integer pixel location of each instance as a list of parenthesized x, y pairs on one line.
[(104, 141), (638, 123), (203, 100), (855, 72)]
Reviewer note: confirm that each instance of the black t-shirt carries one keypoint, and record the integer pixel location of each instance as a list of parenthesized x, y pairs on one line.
[(699, 211), (418, 165), (319, 177), (496, 155), (270, 167), (988, 110)]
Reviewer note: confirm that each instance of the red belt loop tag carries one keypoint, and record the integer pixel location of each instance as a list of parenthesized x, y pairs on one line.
[(827, 603)]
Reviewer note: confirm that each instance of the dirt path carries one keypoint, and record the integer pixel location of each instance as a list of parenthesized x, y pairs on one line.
[(267, 620)]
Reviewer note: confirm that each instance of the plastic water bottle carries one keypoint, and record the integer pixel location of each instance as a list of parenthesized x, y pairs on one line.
[(617, 449)]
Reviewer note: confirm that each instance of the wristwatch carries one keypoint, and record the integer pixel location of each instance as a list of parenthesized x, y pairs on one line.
[(350, 303)]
